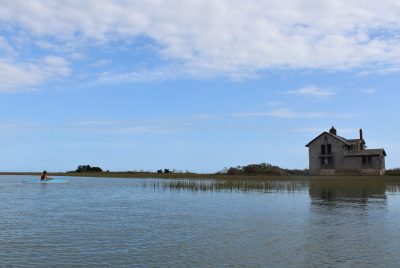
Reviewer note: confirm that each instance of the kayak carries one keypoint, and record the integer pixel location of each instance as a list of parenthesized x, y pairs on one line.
[(47, 181)]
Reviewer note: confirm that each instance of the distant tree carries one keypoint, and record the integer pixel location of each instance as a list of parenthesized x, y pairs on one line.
[(393, 172), (255, 169), (297, 172), (234, 171), (96, 169), (88, 168), (159, 171), (166, 171)]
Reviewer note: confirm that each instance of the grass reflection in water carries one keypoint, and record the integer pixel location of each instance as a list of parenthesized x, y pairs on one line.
[(317, 187)]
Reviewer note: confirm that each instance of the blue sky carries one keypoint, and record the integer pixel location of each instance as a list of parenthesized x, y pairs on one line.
[(193, 85)]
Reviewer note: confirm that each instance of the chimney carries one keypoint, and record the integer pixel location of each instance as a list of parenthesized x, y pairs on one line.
[(333, 131), (361, 140)]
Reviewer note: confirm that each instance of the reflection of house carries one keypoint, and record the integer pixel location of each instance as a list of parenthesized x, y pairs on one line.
[(330, 154), (347, 190)]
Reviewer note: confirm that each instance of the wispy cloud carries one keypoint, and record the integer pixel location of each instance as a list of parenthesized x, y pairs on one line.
[(340, 131), (236, 39), (292, 114), (203, 117), (370, 90), (101, 63), (118, 127), (274, 103), (282, 113), (12, 127), (26, 76), (142, 75), (312, 91), (6, 49)]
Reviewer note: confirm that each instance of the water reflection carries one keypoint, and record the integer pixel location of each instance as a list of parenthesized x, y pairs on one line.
[(347, 189), (302, 222), (347, 217)]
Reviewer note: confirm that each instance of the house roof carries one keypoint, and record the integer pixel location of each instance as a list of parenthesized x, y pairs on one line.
[(344, 140), (367, 152), (354, 140), (334, 136)]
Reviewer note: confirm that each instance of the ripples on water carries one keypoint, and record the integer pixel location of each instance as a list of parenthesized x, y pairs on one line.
[(93, 222)]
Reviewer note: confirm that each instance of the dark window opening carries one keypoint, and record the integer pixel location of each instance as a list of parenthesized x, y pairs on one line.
[(322, 149), (369, 159), (364, 160), (329, 149), (327, 162)]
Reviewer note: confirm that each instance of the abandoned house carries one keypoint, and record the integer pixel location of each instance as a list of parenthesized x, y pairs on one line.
[(330, 154)]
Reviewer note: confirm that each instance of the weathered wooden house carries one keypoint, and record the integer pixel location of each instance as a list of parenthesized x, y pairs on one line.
[(331, 154)]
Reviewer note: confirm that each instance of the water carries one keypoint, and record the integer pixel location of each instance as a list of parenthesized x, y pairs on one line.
[(92, 222)]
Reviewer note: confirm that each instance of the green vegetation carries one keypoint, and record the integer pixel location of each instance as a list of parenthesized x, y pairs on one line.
[(88, 168), (263, 169), (393, 172), (234, 185), (319, 187)]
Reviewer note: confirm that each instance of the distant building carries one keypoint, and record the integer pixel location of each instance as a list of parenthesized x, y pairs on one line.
[(331, 154)]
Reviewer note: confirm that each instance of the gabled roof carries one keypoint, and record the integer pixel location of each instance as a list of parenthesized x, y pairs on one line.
[(334, 136), (354, 140), (367, 152)]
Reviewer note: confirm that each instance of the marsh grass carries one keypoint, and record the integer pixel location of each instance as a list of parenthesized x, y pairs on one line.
[(317, 187), (234, 185)]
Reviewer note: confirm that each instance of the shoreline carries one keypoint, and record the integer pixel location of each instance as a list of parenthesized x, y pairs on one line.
[(194, 176)]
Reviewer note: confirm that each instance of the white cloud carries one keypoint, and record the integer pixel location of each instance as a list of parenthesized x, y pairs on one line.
[(27, 76), (55, 66), (312, 91), (228, 37), (6, 49)]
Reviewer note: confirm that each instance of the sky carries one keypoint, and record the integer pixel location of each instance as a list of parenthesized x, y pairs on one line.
[(193, 85)]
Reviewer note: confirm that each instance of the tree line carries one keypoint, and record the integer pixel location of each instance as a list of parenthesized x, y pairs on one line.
[(252, 169), (88, 168), (262, 169)]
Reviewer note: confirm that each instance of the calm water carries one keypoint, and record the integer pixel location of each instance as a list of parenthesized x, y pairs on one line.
[(92, 222)]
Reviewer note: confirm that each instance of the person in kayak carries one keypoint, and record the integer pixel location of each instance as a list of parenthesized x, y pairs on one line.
[(43, 177)]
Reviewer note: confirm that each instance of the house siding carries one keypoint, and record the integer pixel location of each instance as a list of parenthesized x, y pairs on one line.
[(342, 160)]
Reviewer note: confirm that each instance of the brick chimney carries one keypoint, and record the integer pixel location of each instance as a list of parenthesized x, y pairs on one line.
[(361, 140), (333, 131)]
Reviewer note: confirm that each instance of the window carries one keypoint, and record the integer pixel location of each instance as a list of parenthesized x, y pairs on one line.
[(327, 162), (329, 149), (322, 149), (369, 160), (364, 160)]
